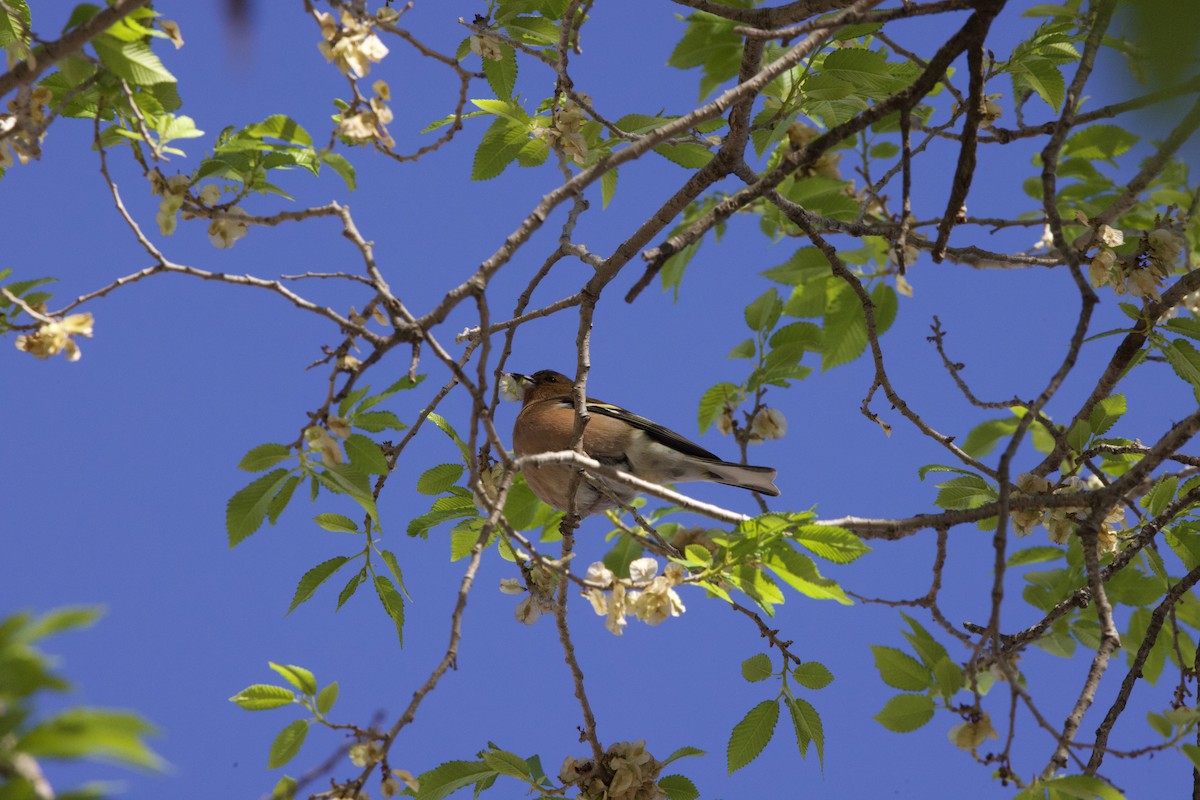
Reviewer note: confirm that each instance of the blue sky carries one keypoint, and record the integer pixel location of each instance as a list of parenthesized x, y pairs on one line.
[(117, 468)]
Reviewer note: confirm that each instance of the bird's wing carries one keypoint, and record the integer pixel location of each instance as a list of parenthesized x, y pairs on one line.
[(657, 432)]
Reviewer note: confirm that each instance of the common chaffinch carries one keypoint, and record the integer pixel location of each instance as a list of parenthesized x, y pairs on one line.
[(616, 438)]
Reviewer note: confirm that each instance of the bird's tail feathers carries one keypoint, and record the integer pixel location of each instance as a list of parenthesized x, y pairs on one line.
[(756, 479)]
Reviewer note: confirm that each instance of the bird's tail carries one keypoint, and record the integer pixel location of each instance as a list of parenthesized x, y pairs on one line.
[(756, 479)]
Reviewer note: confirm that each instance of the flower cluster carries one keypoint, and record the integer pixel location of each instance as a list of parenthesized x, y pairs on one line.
[(1061, 522), (172, 190), (370, 124), (625, 772), (649, 597), (972, 732), (24, 126), (767, 423), (565, 133), (1142, 274), (223, 232), (352, 46), (826, 166), (56, 337), (395, 782), (485, 47), (319, 440), (542, 582)]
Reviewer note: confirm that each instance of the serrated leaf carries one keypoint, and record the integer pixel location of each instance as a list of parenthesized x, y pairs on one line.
[(757, 668), (280, 127), (1099, 142), (806, 723), (713, 402), (448, 429), (905, 713), (764, 312), (831, 543), (1035, 555), (393, 566), (312, 579), (445, 779), (1106, 413), (1184, 360), (393, 603), (366, 455), (683, 752), (300, 678), (967, 491), (506, 763), (336, 523), (608, 187), (812, 675), (246, 510), (264, 456), (340, 165), (501, 144), (949, 678), (134, 60), (377, 422), (677, 787), (327, 697), (262, 697), (501, 74), (351, 587), (900, 670), (281, 499), (928, 649), (436, 480), (287, 744), (751, 735), (746, 349)]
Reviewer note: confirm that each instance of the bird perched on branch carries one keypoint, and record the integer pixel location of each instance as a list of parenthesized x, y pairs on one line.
[(616, 438)]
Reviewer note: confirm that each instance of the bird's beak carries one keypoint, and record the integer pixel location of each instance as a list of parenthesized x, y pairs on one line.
[(513, 386)]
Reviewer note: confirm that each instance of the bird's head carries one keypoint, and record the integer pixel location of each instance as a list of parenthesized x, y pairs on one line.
[(541, 385)]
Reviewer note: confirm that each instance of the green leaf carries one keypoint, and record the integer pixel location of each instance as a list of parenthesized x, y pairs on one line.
[(713, 402), (378, 421), (1035, 555), (298, 677), (949, 678), (393, 603), (505, 763), (245, 511), (133, 61), (285, 789), (287, 744), (711, 43), (831, 543), (746, 349), (1106, 413), (608, 187), (502, 74), (798, 571), (844, 333), (928, 648), (280, 127), (1074, 787), (812, 675), (340, 165), (281, 499), (314, 578), (393, 566), (262, 696), (444, 780), (351, 587), (966, 491), (448, 429), (327, 697), (264, 456), (757, 668), (806, 723), (764, 312), (1162, 494), (349, 479), (751, 735), (92, 733), (1185, 360), (366, 455), (900, 670), (689, 155), (677, 787), (626, 550), (1099, 142), (501, 144), (336, 523), (905, 713), (436, 480), (683, 752)]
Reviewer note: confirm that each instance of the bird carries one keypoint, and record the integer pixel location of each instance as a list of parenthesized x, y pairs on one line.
[(616, 438)]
